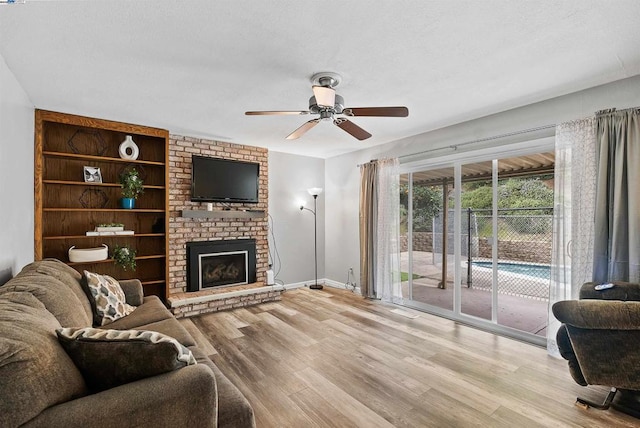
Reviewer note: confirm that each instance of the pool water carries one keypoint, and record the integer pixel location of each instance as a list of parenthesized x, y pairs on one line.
[(537, 271)]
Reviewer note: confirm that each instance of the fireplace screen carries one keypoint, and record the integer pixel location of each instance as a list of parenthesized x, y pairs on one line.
[(218, 269)]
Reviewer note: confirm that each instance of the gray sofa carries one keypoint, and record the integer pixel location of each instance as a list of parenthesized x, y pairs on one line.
[(41, 387)]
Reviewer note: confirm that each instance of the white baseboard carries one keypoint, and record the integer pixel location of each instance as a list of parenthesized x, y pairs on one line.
[(293, 285), (325, 281), (340, 285)]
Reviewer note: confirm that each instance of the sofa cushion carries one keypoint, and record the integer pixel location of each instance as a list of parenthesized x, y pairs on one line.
[(170, 327), (152, 310), (109, 358), (67, 275), (56, 296), (35, 371), (132, 291), (107, 298)]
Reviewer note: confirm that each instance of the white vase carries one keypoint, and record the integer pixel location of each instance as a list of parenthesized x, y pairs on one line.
[(128, 149)]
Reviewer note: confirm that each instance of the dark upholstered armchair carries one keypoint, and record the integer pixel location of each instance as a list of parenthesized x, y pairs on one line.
[(600, 338)]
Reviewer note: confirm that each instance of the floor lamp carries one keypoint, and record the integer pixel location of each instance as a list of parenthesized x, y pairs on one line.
[(314, 191)]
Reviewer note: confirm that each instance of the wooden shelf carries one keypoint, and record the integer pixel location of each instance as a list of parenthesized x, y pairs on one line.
[(153, 282), (66, 206), (154, 256), (136, 235), (223, 214), (100, 158), (103, 210), (83, 183)]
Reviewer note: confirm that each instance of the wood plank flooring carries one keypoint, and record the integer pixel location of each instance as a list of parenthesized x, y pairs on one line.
[(330, 358)]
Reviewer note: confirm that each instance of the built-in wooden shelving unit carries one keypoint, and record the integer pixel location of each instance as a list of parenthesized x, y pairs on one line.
[(66, 206)]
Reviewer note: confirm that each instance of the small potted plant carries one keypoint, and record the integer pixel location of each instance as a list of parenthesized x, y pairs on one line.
[(131, 188), (125, 257)]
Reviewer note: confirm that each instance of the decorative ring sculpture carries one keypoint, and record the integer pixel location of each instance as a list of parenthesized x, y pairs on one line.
[(128, 149)]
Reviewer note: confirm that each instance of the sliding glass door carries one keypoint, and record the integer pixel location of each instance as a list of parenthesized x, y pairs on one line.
[(476, 240)]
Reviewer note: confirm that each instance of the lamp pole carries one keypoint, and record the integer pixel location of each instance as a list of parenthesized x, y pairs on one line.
[(315, 286), (315, 191)]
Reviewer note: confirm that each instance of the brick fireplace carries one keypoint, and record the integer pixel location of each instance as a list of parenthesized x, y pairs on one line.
[(183, 230)]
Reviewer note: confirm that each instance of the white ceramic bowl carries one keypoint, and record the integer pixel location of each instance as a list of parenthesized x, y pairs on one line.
[(79, 255)]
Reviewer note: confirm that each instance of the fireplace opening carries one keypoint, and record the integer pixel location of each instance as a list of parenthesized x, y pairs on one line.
[(218, 269), (220, 263)]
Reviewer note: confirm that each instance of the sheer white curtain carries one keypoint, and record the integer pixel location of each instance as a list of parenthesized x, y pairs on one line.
[(387, 249), (574, 211)]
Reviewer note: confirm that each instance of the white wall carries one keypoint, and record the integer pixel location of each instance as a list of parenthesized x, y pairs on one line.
[(342, 174), (16, 175), (289, 178)]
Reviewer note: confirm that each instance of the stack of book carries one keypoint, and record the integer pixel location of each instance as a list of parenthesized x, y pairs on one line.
[(109, 231)]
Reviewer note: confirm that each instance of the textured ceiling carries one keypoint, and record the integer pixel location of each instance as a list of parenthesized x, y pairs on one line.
[(194, 67)]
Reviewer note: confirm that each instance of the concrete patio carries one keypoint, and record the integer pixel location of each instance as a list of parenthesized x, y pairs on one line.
[(515, 310)]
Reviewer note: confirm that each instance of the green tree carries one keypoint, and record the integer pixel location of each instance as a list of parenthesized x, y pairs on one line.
[(514, 193), (427, 202), (478, 198)]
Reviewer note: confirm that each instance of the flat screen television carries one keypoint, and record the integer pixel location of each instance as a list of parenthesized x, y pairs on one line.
[(224, 180)]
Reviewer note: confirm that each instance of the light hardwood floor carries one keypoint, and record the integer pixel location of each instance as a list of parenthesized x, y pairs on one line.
[(333, 359)]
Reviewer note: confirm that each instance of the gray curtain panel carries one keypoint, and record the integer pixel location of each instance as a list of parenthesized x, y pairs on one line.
[(617, 213), (368, 221)]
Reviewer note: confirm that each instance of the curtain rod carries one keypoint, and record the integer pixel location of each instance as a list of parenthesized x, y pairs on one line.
[(466, 143), (481, 140)]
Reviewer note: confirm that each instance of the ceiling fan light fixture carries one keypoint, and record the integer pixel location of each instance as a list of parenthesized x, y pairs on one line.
[(325, 96)]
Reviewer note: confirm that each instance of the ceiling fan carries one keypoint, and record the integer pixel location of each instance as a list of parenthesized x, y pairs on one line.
[(326, 103)]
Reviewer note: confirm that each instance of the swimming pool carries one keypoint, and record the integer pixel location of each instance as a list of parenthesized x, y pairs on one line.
[(537, 271)]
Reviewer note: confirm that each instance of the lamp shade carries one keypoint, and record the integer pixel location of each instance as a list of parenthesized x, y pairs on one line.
[(325, 97), (314, 191)]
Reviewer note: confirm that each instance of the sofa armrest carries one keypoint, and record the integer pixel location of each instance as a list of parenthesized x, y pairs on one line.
[(184, 397), (566, 351), (132, 291), (598, 314), (626, 291)]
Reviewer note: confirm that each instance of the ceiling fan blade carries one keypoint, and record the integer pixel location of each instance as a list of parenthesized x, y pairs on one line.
[(376, 111), (325, 96), (264, 113), (351, 128), (303, 129)]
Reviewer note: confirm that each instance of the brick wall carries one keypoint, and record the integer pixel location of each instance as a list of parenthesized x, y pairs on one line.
[(422, 241), (524, 251), (182, 230)]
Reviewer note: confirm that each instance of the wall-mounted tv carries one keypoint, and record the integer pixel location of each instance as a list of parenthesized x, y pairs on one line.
[(224, 180)]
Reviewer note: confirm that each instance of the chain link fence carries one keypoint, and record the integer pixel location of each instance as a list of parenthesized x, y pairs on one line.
[(523, 245), (524, 242)]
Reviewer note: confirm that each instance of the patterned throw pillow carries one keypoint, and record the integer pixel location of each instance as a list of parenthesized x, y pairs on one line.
[(107, 298), (108, 358)]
